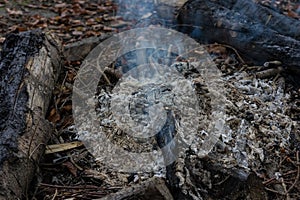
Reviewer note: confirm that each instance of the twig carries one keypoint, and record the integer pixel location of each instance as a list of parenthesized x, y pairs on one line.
[(280, 163), (74, 163), (298, 172), (30, 155), (235, 51), (69, 187), (79, 187), (284, 188), (222, 181), (55, 194), (274, 191), (272, 179)]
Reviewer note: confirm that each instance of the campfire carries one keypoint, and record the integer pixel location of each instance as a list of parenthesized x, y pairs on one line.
[(180, 100)]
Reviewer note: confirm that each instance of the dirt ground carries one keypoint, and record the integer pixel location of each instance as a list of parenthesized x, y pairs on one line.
[(269, 121)]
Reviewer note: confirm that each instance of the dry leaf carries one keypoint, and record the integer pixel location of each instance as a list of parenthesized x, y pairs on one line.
[(293, 14), (2, 39), (21, 29), (97, 27), (14, 11), (54, 116), (92, 33), (77, 33), (68, 121), (71, 75), (60, 5), (67, 107), (32, 6), (218, 49), (90, 21)]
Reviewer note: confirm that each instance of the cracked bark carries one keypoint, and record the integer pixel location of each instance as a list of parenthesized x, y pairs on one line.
[(260, 34), (29, 66)]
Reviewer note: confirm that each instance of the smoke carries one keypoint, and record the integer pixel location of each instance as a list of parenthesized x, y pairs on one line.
[(154, 96), (143, 13)]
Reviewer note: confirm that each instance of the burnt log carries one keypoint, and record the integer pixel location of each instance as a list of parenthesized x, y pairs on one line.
[(259, 33), (85, 45), (29, 66)]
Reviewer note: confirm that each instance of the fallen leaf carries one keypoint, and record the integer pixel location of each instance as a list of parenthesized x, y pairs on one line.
[(107, 28), (217, 49), (68, 121), (34, 23), (21, 29), (77, 33), (67, 108), (71, 75), (54, 116), (98, 19), (97, 27), (81, 2), (65, 13), (91, 13), (32, 6), (90, 21), (293, 14), (147, 15), (119, 24), (92, 33), (76, 22), (43, 25), (2, 39), (60, 5), (14, 11)]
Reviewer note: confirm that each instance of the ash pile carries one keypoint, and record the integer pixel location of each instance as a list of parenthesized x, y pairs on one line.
[(255, 155), (258, 152)]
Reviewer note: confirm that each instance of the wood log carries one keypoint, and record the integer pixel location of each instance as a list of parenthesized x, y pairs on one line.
[(79, 50), (29, 67), (257, 32)]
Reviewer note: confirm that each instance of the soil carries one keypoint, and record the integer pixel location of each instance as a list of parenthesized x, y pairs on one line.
[(272, 167)]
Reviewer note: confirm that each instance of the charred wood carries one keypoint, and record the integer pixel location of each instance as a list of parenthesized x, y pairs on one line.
[(259, 33), (29, 66)]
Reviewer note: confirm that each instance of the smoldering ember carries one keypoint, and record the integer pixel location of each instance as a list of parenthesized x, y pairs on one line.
[(150, 99)]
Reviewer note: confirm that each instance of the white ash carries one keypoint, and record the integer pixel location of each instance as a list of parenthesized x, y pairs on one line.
[(256, 122)]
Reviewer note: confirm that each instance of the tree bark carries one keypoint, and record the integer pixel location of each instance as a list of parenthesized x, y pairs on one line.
[(29, 66), (257, 32), (79, 50)]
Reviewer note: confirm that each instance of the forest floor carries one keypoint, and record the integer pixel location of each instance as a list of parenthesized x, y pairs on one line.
[(73, 172)]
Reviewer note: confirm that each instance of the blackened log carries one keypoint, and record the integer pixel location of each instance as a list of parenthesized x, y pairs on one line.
[(257, 32), (79, 50), (29, 66)]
